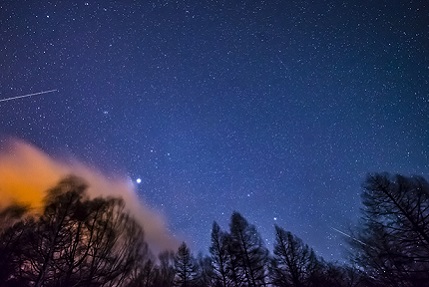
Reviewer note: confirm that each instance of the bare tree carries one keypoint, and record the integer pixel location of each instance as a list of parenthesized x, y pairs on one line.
[(77, 241), (186, 273), (144, 274), (165, 271), (393, 243), (247, 252), (15, 229), (53, 230), (219, 256), (116, 244), (205, 276), (293, 263)]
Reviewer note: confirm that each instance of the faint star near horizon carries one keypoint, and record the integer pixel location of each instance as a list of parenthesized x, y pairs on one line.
[(275, 109)]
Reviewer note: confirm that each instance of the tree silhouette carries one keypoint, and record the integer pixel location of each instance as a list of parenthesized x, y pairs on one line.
[(392, 244), (14, 229), (293, 263), (54, 231), (205, 275), (166, 271), (219, 256), (247, 252), (184, 263), (117, 246), (77, 241), (144, 275), (11, 214)]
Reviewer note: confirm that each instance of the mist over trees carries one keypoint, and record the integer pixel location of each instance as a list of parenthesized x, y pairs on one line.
[(74, 240)]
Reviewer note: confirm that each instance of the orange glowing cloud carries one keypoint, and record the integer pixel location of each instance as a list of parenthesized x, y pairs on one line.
[(27, 172)]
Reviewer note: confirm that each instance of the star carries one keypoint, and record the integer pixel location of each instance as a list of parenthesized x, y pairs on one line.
[(281, 118)]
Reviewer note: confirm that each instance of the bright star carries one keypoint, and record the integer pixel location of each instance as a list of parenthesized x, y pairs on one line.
[(138, 180)]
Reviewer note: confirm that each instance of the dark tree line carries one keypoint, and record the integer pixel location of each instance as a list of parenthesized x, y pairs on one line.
[(82, 241)]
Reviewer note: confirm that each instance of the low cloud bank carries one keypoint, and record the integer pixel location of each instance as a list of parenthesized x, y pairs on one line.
[(26, 173)]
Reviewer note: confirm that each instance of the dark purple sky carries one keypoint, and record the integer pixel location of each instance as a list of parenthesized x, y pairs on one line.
[(276, 109)]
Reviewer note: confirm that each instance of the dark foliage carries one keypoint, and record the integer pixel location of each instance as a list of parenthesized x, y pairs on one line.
[(392, 242), (220, 259), (185, 267), (82, 241), (294, 263), (76, 241), (248, 252)]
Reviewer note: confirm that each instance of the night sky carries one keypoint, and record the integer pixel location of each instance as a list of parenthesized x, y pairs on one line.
[(276, 109)]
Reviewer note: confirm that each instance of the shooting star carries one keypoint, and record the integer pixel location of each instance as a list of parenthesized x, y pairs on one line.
[(281, 62), (28, 95), (352, 237)]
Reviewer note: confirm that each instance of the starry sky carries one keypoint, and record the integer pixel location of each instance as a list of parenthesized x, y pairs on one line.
[(276, 109)]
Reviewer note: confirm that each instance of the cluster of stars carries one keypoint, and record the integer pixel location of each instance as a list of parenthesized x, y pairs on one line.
[(273, 109)]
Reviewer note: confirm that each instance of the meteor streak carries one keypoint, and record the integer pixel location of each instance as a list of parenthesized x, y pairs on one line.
[(28, 95), (349, 236)]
